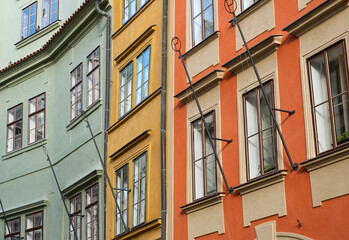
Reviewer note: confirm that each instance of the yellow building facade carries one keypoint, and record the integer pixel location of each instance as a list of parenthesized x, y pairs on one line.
[(134, 146)]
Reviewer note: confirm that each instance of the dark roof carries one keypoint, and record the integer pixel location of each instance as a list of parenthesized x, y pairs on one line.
[(49, 41)]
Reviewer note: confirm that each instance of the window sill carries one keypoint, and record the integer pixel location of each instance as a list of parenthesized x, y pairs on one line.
[(137, 230), (81, 117), (261, 182), (130, 20), (25, 149), (201, 44), (203, 203), (248, 11), (38, 34), (326, 159)]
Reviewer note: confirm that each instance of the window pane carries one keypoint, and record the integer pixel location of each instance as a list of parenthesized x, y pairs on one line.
[(199, 177), (41, 102), (341, 117), (132, 7), (25, 22), (208, 20), (95, 193), (197, 30), (211, 174), (19, 112), (30, 222), (16, 226), (88, 197), (11, 115), (197, 141), (29, 236), (38, 219), (253, 156), (323, 125), (210, 126), (196, 5), (268, 150), (206, 3), (251, 114), (265, 112), (337, 71), (318, 76), (247, 3), (38, 234), (89, 64)]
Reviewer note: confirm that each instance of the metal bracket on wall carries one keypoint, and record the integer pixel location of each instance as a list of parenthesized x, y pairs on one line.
[(286, 111), (227, 6), (223, 140)]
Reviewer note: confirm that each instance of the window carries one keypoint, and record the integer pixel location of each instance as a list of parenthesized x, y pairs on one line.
[(36, 118), (75, 217), (129, 8), (202, 19), (93, 77), (259, 132), (29, 20), (122, 198), (49, 12), (247, 3), (125, 100), (329, 89), (15, 229), (139, 189), (143, 67), (33, 226), (91, 210), (75, 92), (203, 158), (14, 128)]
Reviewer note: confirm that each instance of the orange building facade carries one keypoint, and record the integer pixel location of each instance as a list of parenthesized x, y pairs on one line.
[(300, 50)]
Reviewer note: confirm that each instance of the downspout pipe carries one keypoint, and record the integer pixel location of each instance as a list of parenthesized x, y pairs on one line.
[(163, 119), (107, 97)]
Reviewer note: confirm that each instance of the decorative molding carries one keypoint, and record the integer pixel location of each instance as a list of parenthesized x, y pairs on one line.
[(130, 144), (325, 160), (83, 182), (30, 206), (53, 26), (261, 182), (146, 227), (201, 86), (25, 149), (203, 203), (135, 44), (201, 44), (258, 52), (316, 16)]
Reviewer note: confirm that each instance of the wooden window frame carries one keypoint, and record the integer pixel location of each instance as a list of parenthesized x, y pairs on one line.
[(324, 53), (74, 215), (90, 206), (36, 19), (12, 234), (260, 131), (138, 182), (13, 124), (121, 193), (125, 85), (50, 13), (202, 21), (242, 5), (33, 229), (74, 88), (142, 72), (35, 113), (204, 157), (91, 73)]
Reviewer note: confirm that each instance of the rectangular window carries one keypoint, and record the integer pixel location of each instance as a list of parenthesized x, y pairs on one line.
[(122, 198), (29, 20), (93, 83), (49, 12), (203, 158), (75, 217), (329, 90), (12, 229), (247, 3), (125, 98), (259, 132), (14, 128), (75, 92), (202, 19), (139, 189), (91, 210), (143, 68), (129, 9), (34, 226), (36, 118)]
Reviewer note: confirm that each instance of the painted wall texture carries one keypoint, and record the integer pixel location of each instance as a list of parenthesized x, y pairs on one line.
[(46, 98), (134, 136), (299, 47)]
